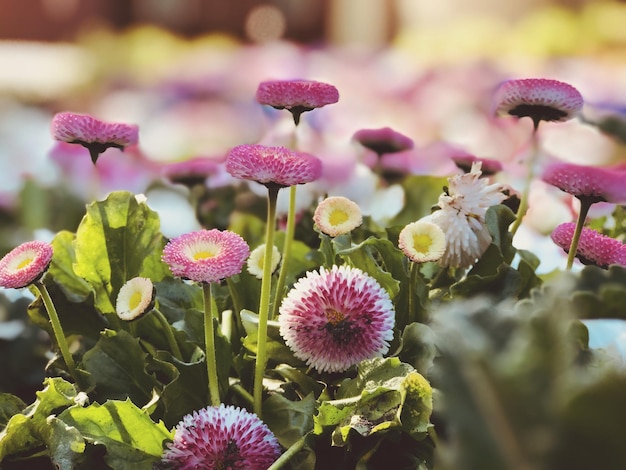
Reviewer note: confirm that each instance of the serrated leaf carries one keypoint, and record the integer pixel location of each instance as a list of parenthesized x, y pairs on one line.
[(131, 438)]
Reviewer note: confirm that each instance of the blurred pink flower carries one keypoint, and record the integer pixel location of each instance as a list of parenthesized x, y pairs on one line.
[(538, 98), (489, 166), (593, 247), (383, 140), (591, 183), (334, 319), (192, 171), (93, 134), (25, 264), (206, 255), (224, 437), (272, 166), (297, 96)]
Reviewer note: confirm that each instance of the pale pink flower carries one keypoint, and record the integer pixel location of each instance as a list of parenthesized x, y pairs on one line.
[(593, 247), (337, 215), (334, 319), (297, 96), (592, 183), (224, 437), (383, 140), (272, 166), (93, 134), (25, 264), (206, 255), (538, 98)]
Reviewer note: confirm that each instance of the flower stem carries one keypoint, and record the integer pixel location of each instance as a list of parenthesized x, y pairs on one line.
[(530, 174), (289, 236), (582, 215), (287, 456), (413, 273), (237, 388), (57, 329), (264, 304), (209, 340), (169, 335)]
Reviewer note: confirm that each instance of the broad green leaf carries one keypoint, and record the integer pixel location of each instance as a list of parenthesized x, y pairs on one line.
[(289, 420), (9, 405), (75, 288), (417, 347), (118, 239), (117, 364), (131, 438), (600, 293), (65, 443)]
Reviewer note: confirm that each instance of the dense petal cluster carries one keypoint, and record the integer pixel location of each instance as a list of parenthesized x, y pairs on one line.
[(297, 96), (334, 319), (337, 215), (93, 134), (135, 298), (538, 98), (25, 264), (383, 140), (272, 166), (461, 216), (224, 437), (422, 241), (206, 255), (593, 183), (593, 247), (257, 258)]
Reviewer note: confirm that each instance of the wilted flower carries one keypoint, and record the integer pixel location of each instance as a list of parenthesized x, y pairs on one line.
[(256, 260), (25, 264), (135, 298), (337, 215), (224, 437), (593, 247), (383, 140), (538, 98), (594, 184), (422, 241), (206, 255), (461, 216), (334, 319), (93, 134), (297, 96), (272, 166)]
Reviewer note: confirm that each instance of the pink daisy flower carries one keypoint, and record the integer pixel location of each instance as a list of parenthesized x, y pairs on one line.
[(383, 140), (337, 215), (272, 166), (593, 247), (224, 437), (206, 255), (93, 134), (191, 172), (538, 98), (334, 319), (25, 264), (595, 184), (296, 96)]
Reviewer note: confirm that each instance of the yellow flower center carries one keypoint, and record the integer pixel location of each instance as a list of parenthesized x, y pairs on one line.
[(135, 300), (337, 217), (334, 317), (422, 242), (204, 254), (25, 262)]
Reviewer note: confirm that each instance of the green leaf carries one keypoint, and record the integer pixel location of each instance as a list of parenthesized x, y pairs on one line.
[(117, 364), (75, 288), (118, 239), (417, 347), (289, 420), (9, 405), (600, 293), (131, 438)]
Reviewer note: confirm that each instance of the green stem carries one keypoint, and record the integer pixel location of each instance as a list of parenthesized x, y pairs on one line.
[(413, 272), (582, 215), (57, 329), (288, 455), (289, 236), (242, 392), (169, 335), (264, 304), (209, 340), (530, 174)]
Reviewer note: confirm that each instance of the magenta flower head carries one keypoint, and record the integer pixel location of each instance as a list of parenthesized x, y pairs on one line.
[(96, 136), (383, 140), (334, 319), (224, 437), (296, 96), (489, 166), (539, 99), (206, 255), (592, 184), (25, 264), (274, 167), (593, 247)]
